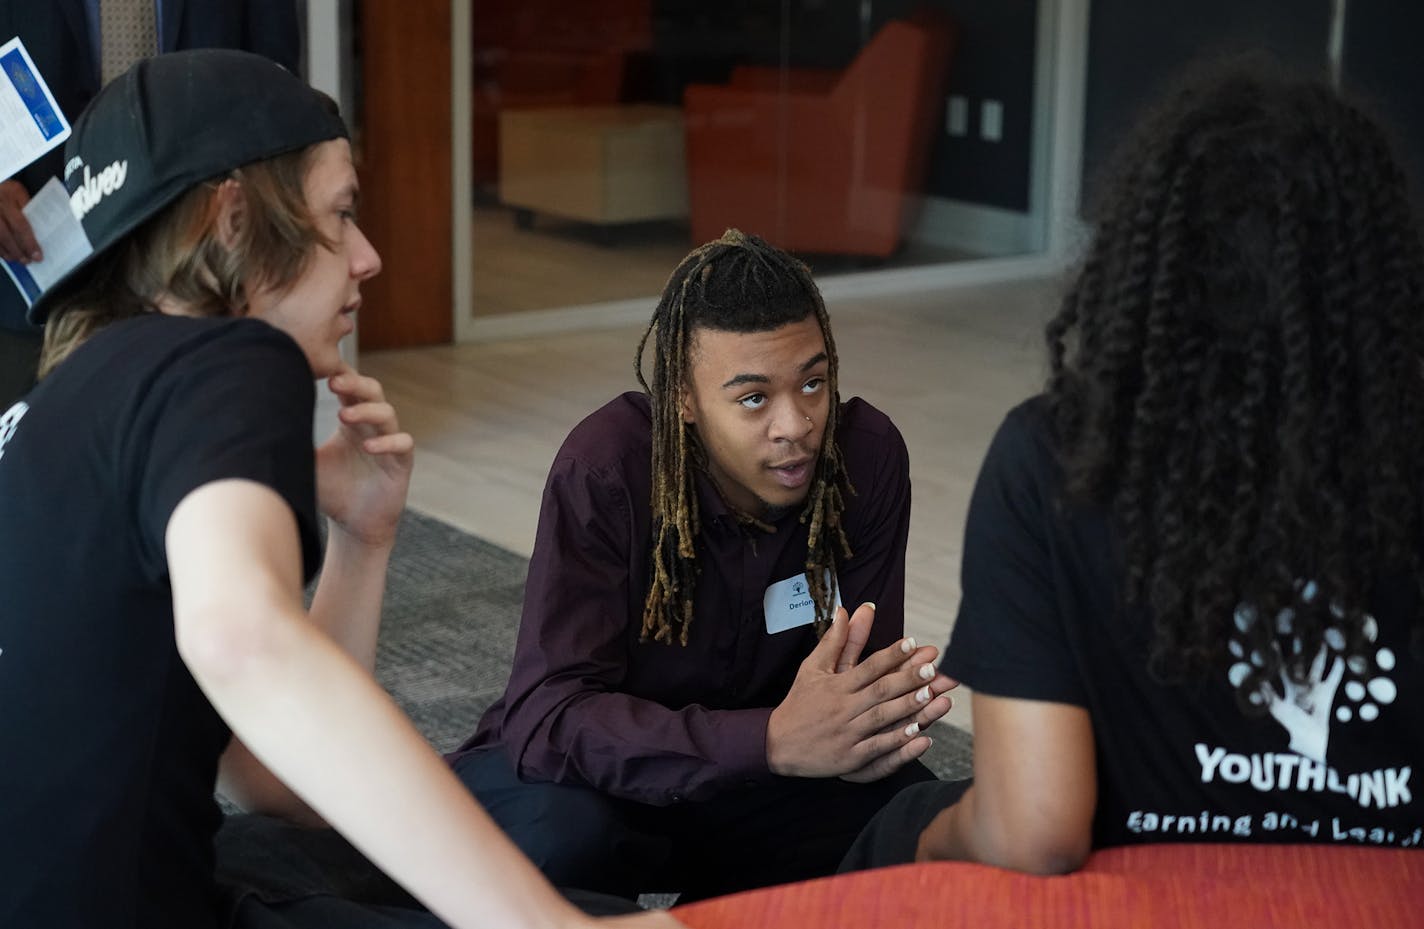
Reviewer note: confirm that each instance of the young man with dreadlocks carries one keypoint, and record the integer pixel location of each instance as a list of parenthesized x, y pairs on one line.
[(688, 710), (1192, 586)]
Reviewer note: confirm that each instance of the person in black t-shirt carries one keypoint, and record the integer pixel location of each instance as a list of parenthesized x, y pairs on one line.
[(65, 40), (1192, 581), (158, 505)]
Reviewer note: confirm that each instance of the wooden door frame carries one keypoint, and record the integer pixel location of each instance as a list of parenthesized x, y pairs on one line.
[(405, 159)]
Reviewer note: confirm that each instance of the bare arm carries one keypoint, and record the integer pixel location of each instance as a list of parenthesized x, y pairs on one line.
[(362, 477), (1034, 794), (318, 721), (363, 474)]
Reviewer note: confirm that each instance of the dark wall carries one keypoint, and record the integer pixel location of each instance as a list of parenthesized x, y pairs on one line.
[(995, 61), (1384, 65), (1137, 49), (697, 41)]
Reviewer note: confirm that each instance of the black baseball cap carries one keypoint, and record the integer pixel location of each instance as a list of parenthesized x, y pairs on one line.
[(171, 122)]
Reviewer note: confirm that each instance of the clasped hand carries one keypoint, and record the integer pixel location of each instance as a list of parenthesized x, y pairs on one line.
[(363, 470), (858, 720)]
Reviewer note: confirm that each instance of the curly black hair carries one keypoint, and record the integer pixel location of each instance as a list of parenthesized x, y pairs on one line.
[(1237, 371)]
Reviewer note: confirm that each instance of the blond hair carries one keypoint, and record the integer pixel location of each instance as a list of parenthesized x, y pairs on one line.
[(182, 254)]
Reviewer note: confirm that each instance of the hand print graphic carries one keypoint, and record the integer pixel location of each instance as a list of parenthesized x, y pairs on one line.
[(1306, 708)]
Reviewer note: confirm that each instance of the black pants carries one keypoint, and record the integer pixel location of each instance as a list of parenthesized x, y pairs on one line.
[(788, 830), (274, 875), (893, 833), (323, 911)]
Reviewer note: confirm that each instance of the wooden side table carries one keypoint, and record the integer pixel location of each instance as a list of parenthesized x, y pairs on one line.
[(596, 164)]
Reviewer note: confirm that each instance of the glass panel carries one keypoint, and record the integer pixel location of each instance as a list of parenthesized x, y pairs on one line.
[(611, 136)]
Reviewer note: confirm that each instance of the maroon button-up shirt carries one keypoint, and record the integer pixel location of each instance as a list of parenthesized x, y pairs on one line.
[(587, 703)]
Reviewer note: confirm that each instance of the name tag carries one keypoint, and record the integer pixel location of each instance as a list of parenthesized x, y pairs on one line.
[(788, 604)]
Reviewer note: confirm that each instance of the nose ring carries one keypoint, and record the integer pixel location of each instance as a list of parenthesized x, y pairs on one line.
[(808, 419)]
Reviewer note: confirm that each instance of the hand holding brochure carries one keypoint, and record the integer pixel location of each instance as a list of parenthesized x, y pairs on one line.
[(61, 238), (31, 124)]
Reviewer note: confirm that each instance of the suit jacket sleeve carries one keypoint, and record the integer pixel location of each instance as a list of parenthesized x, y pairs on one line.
[(265, 27)]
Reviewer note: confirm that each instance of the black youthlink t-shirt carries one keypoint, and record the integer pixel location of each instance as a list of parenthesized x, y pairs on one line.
[(108, 750), (1334, 760)]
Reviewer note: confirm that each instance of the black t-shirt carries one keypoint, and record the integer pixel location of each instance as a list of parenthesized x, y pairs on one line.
[(108, 750), (1041, 620)]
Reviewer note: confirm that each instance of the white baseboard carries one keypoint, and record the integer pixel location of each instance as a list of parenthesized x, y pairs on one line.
[(615, 314), (975, 228), (611, 314)]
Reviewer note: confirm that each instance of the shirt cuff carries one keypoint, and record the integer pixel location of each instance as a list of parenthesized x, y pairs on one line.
[(751, 755), (743, 749)]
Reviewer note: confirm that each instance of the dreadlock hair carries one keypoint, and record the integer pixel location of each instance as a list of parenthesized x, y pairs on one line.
[(737, 283), (1238, 370)]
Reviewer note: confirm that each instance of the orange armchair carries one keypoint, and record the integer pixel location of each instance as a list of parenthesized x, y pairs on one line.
[(820, 161)]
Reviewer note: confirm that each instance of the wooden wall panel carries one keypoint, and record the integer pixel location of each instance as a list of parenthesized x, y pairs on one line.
[(404, 165)]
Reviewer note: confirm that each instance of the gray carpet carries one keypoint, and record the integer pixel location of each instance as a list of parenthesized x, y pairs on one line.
[(451, 613)]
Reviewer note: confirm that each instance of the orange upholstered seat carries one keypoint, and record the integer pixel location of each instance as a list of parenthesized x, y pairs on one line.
[(1151, 886)]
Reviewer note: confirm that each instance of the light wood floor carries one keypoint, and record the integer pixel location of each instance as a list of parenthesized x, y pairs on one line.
[(560, 263), (488, 418)]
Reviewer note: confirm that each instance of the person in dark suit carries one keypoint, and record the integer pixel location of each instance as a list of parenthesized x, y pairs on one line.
[(65, 39)]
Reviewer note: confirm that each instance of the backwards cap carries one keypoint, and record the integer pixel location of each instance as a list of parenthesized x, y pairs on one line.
[(171, 122)]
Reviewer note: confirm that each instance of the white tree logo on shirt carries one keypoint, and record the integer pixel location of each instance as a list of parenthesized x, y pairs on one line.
[(1305, 709), (9, 421)]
